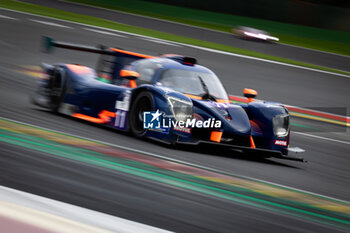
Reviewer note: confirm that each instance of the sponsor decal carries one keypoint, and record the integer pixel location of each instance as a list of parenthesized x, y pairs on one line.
[(123, 104), (161, 122), (153, 121), (120, 119), (220, 105), (121, 111), (182, 129), (280, 142)]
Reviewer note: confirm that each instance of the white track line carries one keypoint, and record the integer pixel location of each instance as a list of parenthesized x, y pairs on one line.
[(191, 46), (323, 138), (69, 216), (176, 160), (49, 23), (315, 50), (104, 32), (7, 17), (160, 42)]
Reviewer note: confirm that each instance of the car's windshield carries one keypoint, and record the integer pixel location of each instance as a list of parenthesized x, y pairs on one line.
[(189, 82), (146, 69)]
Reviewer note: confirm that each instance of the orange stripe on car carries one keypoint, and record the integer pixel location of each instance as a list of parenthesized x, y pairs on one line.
[(79, 69), (193, 96), (200, 98), (88, 118), (104, 117), (225, 101), (131, 53)]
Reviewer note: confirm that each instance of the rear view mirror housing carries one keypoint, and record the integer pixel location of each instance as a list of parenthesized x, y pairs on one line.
[(129, 74), (250, 94)]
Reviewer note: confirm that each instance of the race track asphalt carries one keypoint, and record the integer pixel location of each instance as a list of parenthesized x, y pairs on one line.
[(152, 203), (279, 50)]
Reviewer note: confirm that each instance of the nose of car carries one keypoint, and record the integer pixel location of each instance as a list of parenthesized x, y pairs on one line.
[(233, 117), (239, 122)]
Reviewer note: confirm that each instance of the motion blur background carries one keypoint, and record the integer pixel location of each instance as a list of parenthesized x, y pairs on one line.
[(309, 67), (328, 14)]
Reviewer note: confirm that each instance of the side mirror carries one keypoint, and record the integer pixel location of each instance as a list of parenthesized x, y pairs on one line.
[(250, 94), (129, 74)]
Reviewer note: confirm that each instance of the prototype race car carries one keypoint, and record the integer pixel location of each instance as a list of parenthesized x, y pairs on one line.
[(168, 98)]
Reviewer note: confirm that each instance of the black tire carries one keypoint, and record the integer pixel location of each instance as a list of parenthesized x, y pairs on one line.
[(142, 103), (57, 90)]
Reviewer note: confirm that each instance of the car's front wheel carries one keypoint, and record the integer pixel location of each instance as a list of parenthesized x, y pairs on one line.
[(142, 103)]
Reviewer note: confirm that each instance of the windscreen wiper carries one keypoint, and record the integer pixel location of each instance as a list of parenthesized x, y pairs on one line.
[(206, 94)]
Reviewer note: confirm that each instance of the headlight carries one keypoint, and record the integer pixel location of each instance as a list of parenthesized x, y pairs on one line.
[(181, 109), (281, 125)]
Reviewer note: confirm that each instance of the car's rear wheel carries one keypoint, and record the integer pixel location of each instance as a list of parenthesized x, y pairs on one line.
[(57, 89), (142, 103)]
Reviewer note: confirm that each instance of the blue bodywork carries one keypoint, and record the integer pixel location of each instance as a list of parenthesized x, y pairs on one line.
[(85, 95)]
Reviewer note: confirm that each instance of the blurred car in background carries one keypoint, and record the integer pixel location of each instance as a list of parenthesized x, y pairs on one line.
[(249, 33)]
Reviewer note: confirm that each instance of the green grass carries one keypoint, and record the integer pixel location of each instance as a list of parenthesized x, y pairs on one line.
[(45, 11), (310, 37)]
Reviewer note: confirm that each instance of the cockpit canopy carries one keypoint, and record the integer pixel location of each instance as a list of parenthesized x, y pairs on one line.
[(192, 80)]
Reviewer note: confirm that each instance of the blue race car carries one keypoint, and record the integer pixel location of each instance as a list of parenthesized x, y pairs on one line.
[(168, 98)]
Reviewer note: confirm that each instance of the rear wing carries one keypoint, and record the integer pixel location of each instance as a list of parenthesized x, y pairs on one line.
[(49, 43), (111, 62)]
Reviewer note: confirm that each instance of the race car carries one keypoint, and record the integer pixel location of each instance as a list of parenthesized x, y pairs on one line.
[(168, 98), (250, 33)]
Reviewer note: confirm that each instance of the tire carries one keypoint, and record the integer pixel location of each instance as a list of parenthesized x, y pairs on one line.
[(142, 103), (57, 90)]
